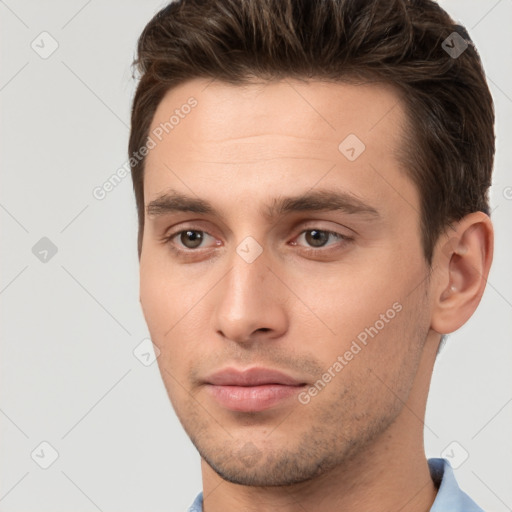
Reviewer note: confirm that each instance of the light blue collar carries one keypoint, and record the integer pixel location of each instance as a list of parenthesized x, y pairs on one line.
[(450, 498)]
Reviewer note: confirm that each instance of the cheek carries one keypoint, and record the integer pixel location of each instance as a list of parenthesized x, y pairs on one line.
[(173, 306), (154, 300), (161, 307), (164, 291), (347, 299), (162, 303), (376, 307)]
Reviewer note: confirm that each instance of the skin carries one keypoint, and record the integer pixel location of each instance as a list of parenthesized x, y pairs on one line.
[(357, 444)]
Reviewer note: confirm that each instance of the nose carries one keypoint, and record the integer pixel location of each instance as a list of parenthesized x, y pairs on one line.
[(250, 303)]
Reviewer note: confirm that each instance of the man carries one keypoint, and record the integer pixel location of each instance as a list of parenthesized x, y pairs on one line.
[(311, 181)]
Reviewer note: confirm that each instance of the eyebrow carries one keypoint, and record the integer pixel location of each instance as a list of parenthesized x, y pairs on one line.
[(313, 201)]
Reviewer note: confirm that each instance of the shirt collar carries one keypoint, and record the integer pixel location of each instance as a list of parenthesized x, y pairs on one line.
[(449, 495)]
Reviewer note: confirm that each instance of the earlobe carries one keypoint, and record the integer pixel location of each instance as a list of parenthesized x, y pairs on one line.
[(462, 263)]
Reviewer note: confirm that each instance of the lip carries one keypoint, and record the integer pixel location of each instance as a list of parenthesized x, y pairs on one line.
[(255, 376), (251, 390)]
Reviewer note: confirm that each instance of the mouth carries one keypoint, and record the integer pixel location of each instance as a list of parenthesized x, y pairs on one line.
[(251, 390)]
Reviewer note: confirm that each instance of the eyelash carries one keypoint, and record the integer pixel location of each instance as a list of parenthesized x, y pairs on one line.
[(313, 251)]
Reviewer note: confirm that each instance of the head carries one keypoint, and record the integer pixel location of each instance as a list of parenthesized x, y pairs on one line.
[(311, 180)]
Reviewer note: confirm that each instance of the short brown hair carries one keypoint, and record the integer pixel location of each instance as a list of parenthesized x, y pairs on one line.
[(448, 146)]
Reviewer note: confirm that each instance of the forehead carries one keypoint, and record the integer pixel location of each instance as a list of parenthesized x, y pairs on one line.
[(314, 111), (282, 134)]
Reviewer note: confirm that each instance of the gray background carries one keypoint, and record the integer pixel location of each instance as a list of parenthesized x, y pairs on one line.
[(69, 325)]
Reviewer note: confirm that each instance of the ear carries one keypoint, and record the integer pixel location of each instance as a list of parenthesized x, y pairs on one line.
[(462, 259)]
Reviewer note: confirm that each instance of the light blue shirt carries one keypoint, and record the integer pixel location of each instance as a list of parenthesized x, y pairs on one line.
[(450, 498)]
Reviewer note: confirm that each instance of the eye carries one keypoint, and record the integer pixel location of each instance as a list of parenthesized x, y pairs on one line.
[(189, 238), (318, 238), (190, 241)]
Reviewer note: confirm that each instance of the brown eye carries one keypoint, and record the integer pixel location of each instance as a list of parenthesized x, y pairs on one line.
[(316, 237), (321, 241), (191, 238)]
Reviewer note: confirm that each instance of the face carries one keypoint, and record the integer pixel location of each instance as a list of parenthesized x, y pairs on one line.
[(274, 243)]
